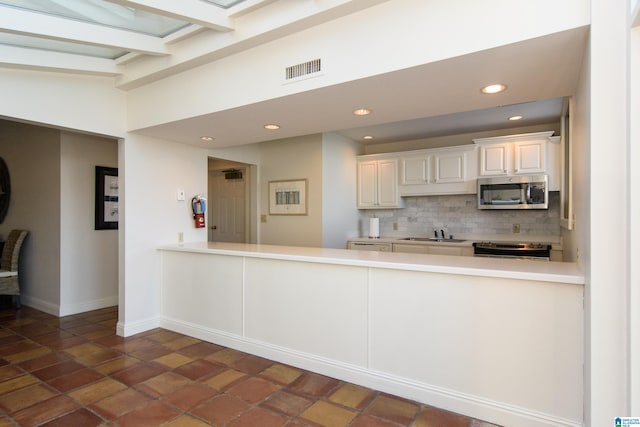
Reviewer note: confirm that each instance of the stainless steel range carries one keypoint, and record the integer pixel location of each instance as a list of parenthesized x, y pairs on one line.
[(540, 251)]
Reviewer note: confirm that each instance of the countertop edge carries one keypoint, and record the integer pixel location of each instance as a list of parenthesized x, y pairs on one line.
[(545, 271)]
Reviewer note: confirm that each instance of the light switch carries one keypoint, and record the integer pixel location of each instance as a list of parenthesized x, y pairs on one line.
[(180, 195)]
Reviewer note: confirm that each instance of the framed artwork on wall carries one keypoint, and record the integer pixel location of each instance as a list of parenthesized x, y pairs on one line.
[(106, 198), (288, 197)]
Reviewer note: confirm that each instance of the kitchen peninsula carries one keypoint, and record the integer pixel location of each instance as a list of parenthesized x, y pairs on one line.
[(499, 340)]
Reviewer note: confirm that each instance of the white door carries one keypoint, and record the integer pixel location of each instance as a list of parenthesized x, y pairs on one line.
[(227, 208)]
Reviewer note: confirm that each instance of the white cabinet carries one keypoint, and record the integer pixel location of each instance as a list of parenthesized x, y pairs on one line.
[(416, 170), (448, 170), (370, 246), (450, 166), (530, 156), (378, 184), (531, 153), (495, 159), (433, 249)]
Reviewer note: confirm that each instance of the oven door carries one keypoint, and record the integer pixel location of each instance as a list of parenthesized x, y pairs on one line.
[(512, 250)]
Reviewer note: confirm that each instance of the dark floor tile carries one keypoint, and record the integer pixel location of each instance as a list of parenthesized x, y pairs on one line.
[(53, 371), (138, 374), (200, 350), (152, 352), (190, 396), (433, 417), (365, 420), (25, 397), (252, 364), (48, 359), (259, 417), (45, 411), (153, 414), (18, 347), (253, 390), (75, 379), (80, 417), (220, 409), (199, 369), (120, 403)]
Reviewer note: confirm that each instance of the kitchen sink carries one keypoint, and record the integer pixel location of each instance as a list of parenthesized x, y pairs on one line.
[(433, 239)]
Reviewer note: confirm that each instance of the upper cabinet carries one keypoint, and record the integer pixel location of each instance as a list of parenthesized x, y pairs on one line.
[(378, 183), (531, 153), (448, 170)]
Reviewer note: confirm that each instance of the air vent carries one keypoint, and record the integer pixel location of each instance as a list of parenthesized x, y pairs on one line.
[(306, 69)]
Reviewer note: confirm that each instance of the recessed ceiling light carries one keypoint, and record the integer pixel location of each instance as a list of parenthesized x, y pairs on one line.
[(494, 88), (272, 126), (514, 118), (367, 137), (206, 138), (362, 112)]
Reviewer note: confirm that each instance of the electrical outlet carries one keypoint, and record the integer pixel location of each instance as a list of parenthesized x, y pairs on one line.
[(180, 237), (516, 228), (395, 226), (263, 218), (180, 196)]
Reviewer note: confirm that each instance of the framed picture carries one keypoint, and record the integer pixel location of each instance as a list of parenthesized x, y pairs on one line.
[(106, 198), (288, 197)]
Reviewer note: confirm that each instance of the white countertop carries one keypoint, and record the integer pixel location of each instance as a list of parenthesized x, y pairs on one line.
[(522, 269)]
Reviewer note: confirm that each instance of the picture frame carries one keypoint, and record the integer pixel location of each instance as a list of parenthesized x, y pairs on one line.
[(106, 198), (288, 197)]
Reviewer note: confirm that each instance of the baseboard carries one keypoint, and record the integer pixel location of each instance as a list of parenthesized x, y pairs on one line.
[(38, 304), (473, 406), (84, 306), (131, 328)]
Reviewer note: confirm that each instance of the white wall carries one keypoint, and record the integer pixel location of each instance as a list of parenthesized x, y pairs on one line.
[(607, 264), (32, 155), (69, 101), (285, 159), (340, 218), (152, 170), (89, 257), (353, 47)]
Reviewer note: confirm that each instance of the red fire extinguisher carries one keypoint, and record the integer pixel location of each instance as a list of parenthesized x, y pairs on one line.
[(199, 207)]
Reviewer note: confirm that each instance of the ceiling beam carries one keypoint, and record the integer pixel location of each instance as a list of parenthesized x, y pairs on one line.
[(194, 11), (24, 58), (16, 21)]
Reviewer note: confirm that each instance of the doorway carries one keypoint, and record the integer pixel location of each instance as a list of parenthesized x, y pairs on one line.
[(229, 201)]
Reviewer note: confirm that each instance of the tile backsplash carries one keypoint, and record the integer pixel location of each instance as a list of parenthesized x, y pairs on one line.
[(458, 215)]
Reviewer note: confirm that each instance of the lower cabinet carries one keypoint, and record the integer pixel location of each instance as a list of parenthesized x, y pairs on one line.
[(439, 249)]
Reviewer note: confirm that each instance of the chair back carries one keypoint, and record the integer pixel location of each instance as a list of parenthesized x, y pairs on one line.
[(11, 250)]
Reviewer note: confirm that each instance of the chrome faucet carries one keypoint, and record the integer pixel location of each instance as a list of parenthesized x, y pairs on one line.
[(435, 233), (442, 232)]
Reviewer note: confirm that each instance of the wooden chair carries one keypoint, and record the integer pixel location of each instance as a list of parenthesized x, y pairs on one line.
[(9, 284)]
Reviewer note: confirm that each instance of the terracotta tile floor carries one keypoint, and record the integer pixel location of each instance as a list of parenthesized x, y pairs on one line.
[(74, 371)]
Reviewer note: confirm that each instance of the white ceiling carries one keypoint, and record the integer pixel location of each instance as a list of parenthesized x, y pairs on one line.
[(430, 100)]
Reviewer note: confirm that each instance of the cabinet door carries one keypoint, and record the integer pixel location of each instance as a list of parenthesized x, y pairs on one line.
[(450, 167), (367, 184), (530, 156), (388, 183), (410, 249), (415, 171), (445, 250), (494, 159)]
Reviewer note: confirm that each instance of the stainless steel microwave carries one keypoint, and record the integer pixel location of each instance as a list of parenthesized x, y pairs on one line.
[(514, 192)]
